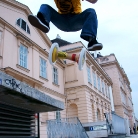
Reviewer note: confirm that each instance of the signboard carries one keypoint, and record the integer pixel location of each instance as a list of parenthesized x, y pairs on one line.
[(99, 127), (96, 128)]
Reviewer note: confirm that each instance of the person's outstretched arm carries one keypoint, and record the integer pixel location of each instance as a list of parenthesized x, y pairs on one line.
[(91, 1)]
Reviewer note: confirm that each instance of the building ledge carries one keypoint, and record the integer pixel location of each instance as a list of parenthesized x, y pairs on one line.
[(22, 68), (14, 72), (17, 93)]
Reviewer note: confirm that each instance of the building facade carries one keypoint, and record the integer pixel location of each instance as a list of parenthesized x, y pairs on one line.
[(121, 87), (88, 91), (24, 54)]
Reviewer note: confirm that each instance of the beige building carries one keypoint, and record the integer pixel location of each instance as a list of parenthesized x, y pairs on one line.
[(121, 87), (24, 54)]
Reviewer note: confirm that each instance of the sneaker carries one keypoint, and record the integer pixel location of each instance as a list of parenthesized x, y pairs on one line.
[(39, 22), (94, 45)]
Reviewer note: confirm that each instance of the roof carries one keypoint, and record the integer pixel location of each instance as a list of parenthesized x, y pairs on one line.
[(61, 42)]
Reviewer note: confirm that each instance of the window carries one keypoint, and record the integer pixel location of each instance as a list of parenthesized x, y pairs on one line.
[(108, 92), (94, 80), (99, 84), (123, 96), (55, 75), (23, 25), (23, 56), (89, 74), (103, 87), (43, 68), (58, 115), (130, 102)]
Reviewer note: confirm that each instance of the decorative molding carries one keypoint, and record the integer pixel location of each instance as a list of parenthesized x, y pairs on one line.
[(88, 89), (25, 8), (23, 40), (88, 62), (94, 68), (56, 84), (60, 63), (17, 32), (72, 101), (45, 79), (22, 68), (14, 72), (28, 94), (98, 73), (52, 92), (97, 66), (75, 49)]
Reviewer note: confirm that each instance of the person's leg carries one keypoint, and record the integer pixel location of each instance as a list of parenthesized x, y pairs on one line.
[(87, 21), (51, 15), (89, 30), (46, 14), (90, 25)]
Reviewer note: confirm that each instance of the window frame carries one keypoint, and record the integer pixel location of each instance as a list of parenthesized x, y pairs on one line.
[(94, 80), (27, 29), (89, 74), (42, 67), (99, 83), (55, 82), (103, 87), (58, 115), (23, 56)]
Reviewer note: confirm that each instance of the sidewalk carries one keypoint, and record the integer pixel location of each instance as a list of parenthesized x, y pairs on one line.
[(133, 136)]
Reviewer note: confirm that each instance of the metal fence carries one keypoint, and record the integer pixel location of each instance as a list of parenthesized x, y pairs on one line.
[(65, 128)]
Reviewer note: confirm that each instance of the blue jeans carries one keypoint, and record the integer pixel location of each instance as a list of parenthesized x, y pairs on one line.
[(87, 21)]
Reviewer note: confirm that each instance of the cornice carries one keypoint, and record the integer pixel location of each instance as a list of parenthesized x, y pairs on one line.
[(52, 92), (18, 5), (15, 72), (85, 88), (21, 36), (10, 71), (17, 32), (60, 63), (119, 68), (75, 49)]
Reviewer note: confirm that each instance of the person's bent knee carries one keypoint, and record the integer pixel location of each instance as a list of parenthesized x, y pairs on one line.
[(45, 6), (90, 10)]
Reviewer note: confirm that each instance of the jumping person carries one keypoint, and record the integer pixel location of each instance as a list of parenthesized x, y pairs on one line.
[(69, 18)]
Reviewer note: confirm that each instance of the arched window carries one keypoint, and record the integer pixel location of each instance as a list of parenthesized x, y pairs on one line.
[(20, 22)]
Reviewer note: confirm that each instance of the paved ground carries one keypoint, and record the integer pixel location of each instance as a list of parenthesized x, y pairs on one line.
[(133, 136)]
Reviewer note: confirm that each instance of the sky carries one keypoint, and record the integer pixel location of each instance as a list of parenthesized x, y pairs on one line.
[(117, 31)]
